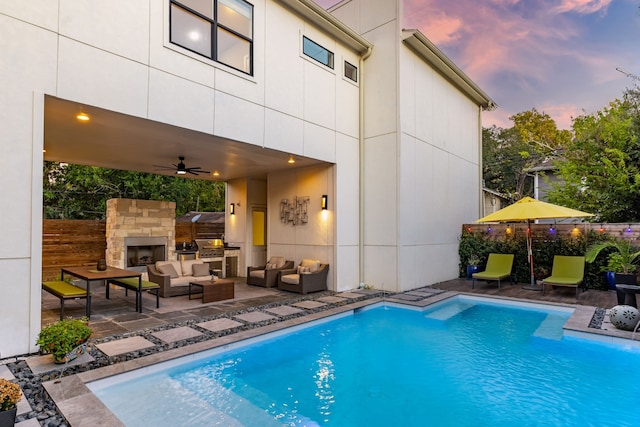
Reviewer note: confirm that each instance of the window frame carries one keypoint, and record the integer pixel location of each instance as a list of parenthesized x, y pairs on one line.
[(214, 26), (344, 74), (333, 55)]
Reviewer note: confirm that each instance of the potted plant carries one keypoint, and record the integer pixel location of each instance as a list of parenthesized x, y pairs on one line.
[(472, 265), (621, 261), (64, 339), (10, 394)]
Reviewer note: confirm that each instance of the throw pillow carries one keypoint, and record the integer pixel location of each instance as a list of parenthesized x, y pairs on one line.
[(303, 270), (168, 269), (270, 266), (200, 270), (313, 264)]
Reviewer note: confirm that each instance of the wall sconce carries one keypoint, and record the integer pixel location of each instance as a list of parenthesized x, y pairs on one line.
[(232, 209), (325, 202)]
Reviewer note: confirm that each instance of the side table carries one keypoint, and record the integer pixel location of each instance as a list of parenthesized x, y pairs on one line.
[(627, 294), (213, 290)]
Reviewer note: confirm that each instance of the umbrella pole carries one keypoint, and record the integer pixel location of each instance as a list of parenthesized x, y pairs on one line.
[(533, 286)]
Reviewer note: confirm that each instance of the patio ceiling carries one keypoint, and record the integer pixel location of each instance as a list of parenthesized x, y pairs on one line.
[(119, 141)]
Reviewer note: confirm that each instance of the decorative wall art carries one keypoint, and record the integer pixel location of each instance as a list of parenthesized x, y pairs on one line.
[(295, 210)]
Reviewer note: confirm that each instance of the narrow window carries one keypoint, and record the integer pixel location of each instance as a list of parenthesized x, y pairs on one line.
[(350, 71), (317, 52), (221, 30)]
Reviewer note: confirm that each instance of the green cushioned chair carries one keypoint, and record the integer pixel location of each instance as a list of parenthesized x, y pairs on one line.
[(566, 271), (498, 267)]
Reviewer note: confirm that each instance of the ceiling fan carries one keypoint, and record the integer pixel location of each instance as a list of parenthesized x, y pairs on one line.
[(181, 169)]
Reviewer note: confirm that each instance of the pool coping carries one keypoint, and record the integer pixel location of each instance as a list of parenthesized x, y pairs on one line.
[(72, 395)]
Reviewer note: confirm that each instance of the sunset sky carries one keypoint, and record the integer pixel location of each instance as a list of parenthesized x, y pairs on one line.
[(558, 56)]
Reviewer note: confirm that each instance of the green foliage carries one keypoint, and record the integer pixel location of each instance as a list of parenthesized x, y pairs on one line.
[(81, 192), (63, 336), (509, 154), (622, 258), (601, 170), (544, 249)]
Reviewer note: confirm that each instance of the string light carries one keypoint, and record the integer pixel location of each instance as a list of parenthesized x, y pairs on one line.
[(508, 231), (489, 230), (629, 229), (552, 230), (601, 229)]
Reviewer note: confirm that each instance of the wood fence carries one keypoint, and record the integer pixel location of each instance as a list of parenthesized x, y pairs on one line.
[(72, 243), (545, 231)]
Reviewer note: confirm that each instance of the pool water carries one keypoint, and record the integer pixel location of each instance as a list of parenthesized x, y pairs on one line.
[(464, 363)]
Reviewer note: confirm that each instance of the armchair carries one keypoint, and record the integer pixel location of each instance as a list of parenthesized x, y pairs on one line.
[(309, 276), (267, 275)]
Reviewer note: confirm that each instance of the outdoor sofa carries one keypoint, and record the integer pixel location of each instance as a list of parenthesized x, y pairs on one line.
[(174, 276)]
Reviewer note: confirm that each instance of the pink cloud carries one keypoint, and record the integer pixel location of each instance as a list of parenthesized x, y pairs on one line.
[(582, 6)]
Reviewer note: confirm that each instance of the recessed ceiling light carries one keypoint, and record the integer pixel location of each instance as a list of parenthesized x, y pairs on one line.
[(216, 173), (83, 117)]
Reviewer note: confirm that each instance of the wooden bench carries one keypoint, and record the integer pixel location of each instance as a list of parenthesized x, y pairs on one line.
[(132, 283), (64, 291)]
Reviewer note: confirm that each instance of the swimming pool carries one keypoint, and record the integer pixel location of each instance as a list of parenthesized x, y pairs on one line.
[(466, 362)]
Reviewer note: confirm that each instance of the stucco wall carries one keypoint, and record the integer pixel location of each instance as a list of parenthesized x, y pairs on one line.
[(115, 55)]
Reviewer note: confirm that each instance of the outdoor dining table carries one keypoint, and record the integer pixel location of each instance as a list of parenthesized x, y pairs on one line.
[(90, 274)]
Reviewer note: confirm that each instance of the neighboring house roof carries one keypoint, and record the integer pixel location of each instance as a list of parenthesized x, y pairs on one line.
[(434, 56), (546, 165), (495, 193), (203, 217)]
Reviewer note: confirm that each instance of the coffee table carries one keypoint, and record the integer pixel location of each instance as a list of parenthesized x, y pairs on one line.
[(213, 290)]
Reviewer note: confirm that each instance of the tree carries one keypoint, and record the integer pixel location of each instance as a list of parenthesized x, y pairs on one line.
[(509, 154), (601, 169), (81, 192)]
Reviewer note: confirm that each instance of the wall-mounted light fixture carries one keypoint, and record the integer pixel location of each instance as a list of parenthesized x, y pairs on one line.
[(291, 160), (232, 209), (325, 202)]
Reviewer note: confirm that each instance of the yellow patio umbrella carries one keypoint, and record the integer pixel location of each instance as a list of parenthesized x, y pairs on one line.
[(529, 209)]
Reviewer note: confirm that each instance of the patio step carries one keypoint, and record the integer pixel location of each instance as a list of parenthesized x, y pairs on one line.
[(450, 310), (551, 327)]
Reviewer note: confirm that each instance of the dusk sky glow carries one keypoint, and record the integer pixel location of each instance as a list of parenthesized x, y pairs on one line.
[(558, 56)]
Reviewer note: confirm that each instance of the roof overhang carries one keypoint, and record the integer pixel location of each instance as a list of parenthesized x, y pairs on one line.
[(328, 23), (438, 60)]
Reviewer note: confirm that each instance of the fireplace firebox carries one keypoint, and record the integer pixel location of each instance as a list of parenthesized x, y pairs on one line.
[(142, 251)]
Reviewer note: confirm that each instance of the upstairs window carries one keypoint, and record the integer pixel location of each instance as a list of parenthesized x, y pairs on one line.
[(221, 30), (351, 71), (317, 52)]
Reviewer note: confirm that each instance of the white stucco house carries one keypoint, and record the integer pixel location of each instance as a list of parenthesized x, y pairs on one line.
[(374, 116)]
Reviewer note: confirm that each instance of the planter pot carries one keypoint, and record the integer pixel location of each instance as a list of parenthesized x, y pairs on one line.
[(472, 269), (8, 418), (610, 278), (72, 354)]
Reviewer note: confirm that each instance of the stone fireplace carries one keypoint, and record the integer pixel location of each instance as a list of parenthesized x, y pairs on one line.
[(139, 232)]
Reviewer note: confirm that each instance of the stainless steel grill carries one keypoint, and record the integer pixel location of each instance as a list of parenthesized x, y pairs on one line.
[(210, 248)]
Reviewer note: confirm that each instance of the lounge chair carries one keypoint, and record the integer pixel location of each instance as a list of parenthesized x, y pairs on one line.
[(267, 275), (498, 267), (566, 271), (309, 276)]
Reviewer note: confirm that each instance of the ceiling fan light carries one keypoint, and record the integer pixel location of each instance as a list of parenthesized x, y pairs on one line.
[(181, 172)]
